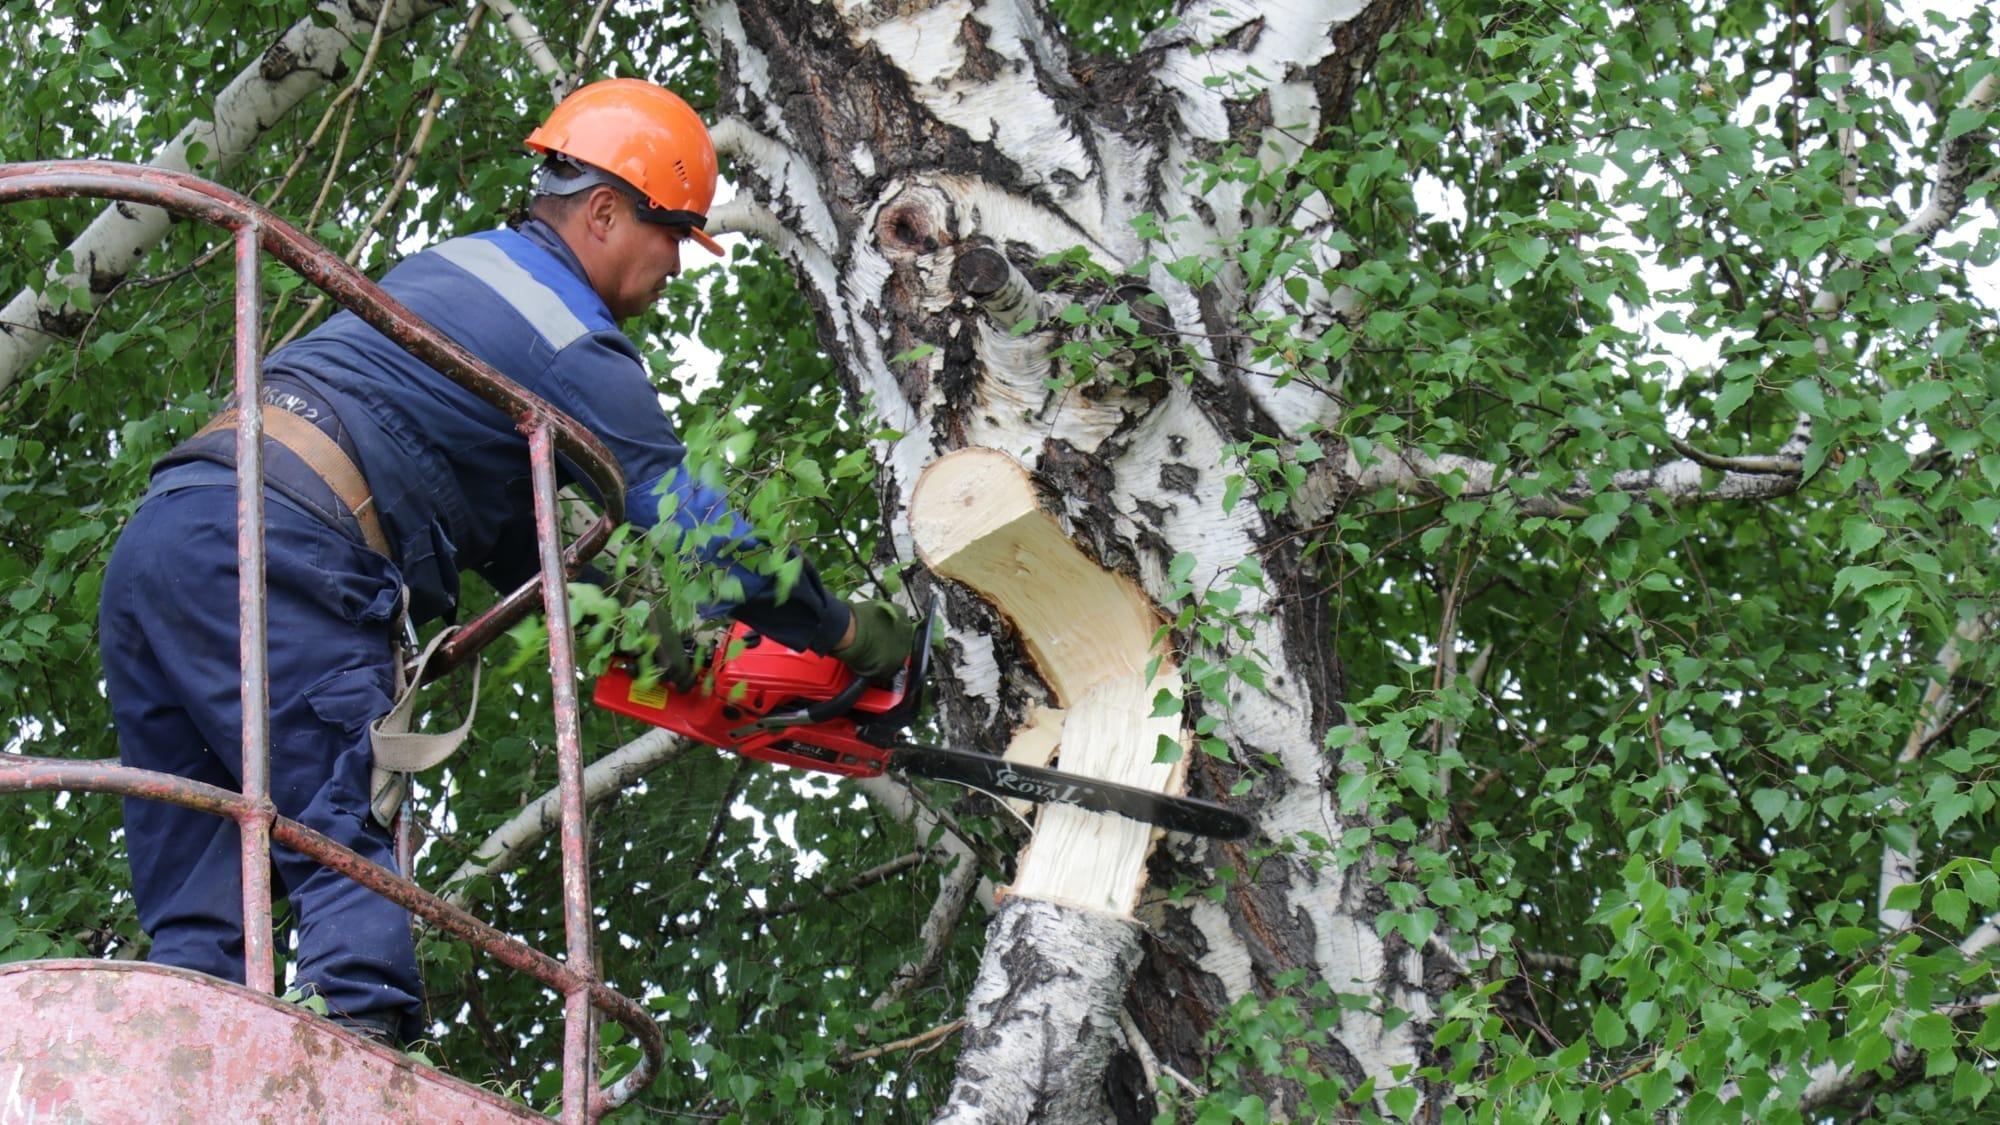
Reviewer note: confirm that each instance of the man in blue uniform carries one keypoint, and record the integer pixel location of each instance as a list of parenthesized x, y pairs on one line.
[(630, 175)]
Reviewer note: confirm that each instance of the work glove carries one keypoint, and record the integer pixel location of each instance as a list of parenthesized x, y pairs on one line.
[(678, 664), (883, 635)]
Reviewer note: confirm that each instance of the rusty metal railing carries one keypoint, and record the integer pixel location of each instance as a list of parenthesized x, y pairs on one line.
[(549, 431)]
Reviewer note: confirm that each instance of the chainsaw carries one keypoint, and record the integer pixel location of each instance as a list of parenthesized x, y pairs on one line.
[(765, 701)]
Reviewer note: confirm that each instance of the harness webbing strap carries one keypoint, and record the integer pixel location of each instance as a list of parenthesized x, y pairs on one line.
[(324, 457), (399, 751)]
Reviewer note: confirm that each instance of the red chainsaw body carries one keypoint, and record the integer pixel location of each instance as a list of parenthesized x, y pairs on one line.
[(752, 700)]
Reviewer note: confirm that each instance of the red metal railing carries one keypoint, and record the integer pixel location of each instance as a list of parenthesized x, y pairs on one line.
[(548, 431)]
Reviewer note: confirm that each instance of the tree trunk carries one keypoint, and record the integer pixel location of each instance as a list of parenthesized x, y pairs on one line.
[(915, 162)]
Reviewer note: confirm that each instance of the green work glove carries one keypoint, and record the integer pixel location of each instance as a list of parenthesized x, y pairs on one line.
[(679, 668), (883, 634)]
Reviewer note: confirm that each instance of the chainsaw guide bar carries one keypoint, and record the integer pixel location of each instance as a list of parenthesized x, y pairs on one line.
[(763, 700)]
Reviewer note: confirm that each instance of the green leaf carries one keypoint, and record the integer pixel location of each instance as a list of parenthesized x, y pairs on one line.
[(1643, 1016), (1733, 395), (1859, 535), (1806, 397), (1952, 907), (1607, 1026), (1962, 121), (1232, 491), (1931, 1032), (1855, 579), (1770, 803), (1599, 525), (1982, 885)]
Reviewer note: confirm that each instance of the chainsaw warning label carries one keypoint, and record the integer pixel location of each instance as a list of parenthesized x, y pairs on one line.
[(654, 696)]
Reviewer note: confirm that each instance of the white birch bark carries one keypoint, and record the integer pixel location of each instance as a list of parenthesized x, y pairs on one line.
[(881, 148), (301, 61)]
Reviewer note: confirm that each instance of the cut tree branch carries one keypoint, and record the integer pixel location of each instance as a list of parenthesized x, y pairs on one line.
[(1043, 1013)]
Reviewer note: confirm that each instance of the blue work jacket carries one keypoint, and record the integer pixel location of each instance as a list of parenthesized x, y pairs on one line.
[(449, 472)]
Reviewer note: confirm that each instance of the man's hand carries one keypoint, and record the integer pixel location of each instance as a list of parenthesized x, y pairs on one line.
[(878, 641)]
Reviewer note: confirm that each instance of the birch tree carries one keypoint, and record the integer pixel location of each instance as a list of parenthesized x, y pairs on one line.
[(1557, 445)]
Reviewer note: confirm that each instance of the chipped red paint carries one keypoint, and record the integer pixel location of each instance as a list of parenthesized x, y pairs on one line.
[(578, 1034), (112, 1043), (253, 655), (265, 1055)]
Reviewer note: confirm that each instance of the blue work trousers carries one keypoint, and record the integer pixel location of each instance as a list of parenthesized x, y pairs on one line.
[(168, 627)]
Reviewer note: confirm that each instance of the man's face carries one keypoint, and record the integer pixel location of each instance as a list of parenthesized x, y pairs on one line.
[(640, 258)]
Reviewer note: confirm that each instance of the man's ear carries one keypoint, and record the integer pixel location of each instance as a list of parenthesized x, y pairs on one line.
[(601, 210)]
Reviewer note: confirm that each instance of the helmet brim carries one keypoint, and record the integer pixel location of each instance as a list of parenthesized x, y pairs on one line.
[(708, 243)]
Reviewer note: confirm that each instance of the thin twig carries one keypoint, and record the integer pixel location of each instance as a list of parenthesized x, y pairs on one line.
[(583, 45), (877, 874), (418, 143), (1149, 1063), (863, 881), (722, 819), (932, 1035), (346, 95), (348, 100)]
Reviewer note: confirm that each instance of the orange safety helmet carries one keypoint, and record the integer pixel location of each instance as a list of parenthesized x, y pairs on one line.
[(646, 137)]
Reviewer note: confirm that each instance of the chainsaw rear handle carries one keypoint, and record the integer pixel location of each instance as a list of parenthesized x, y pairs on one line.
[(915, 673), (837, 706), (811, 713)]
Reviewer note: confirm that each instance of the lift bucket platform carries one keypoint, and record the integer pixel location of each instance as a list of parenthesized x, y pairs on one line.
[(115, 1042)]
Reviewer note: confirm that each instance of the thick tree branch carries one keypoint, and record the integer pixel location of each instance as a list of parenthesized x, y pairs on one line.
[(301, 61), (1954, 173), (534, 46), (953, 897), (604, 778), (1831, 1083), (581, 63), (1899, 868), (1413, 471)]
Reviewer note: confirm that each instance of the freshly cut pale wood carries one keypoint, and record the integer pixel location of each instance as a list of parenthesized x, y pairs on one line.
[(975, 518), (1034, 744)]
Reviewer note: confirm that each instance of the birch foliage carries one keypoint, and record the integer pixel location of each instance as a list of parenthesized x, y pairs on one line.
[(1649, 478)]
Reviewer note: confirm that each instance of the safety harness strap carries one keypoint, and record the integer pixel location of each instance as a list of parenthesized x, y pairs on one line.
[(399, 752), (325, 458)]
